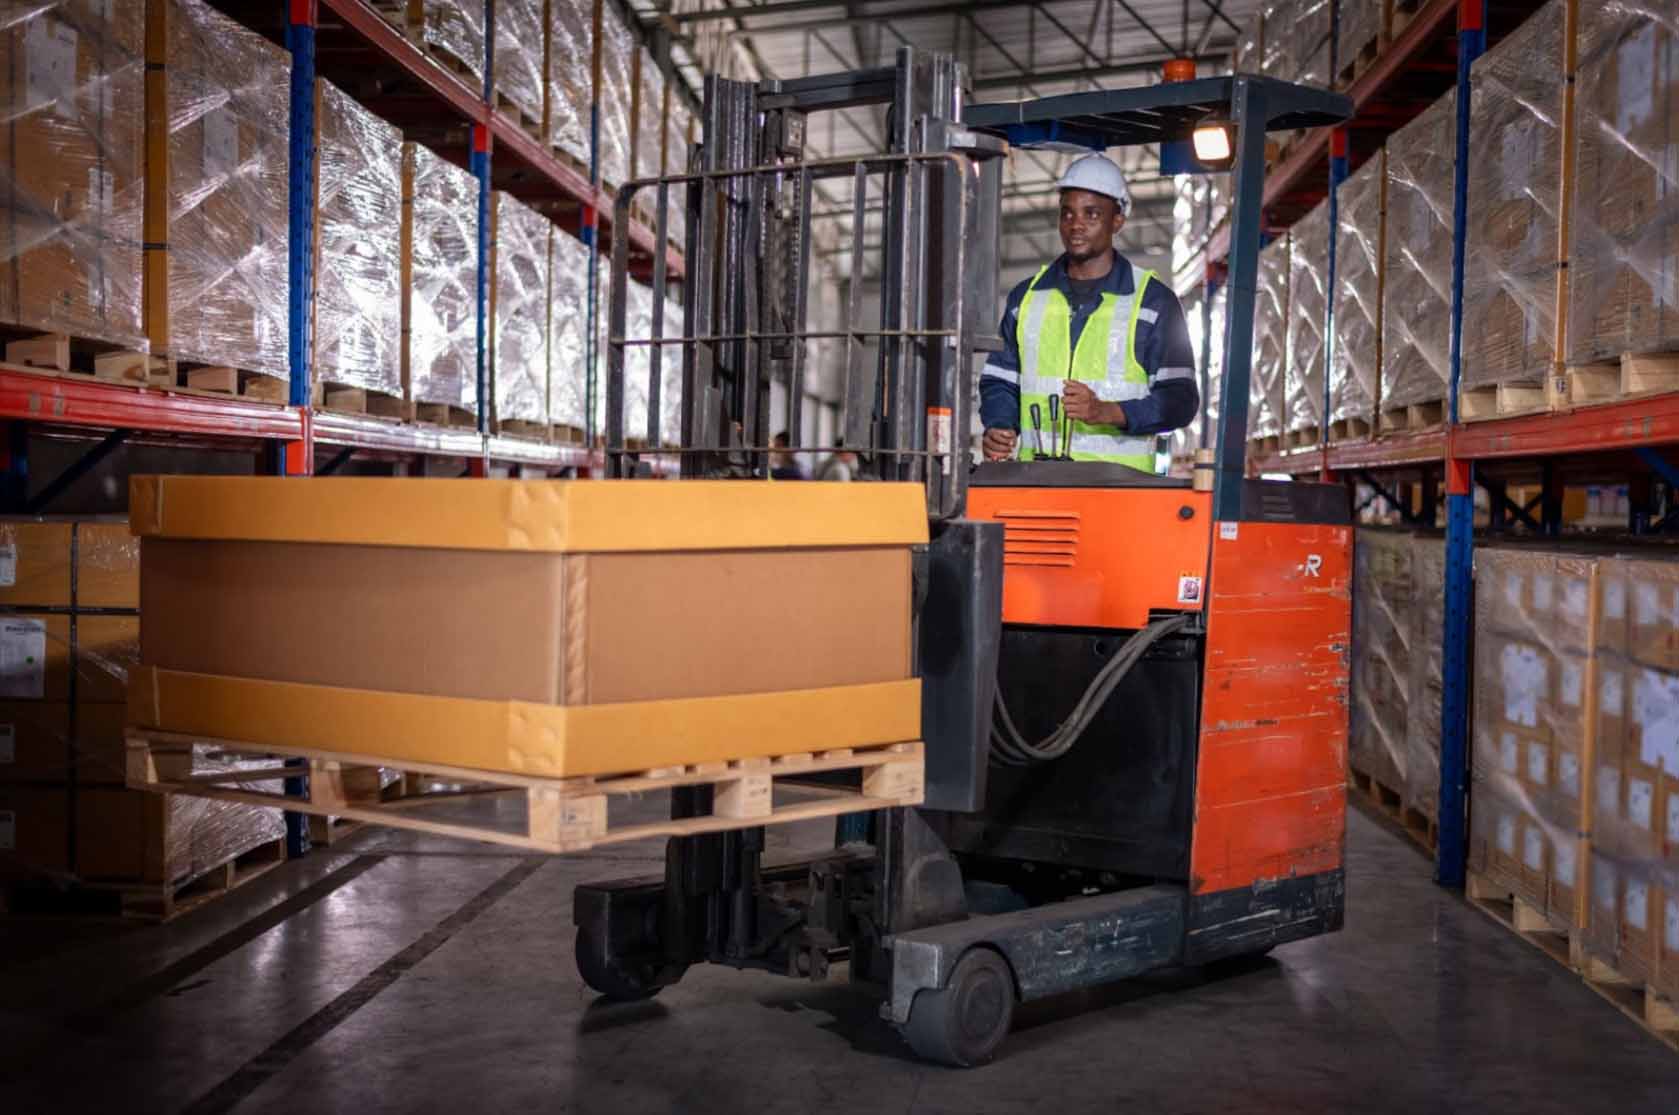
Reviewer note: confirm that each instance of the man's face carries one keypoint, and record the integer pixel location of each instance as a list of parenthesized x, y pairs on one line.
[(1089, 223)]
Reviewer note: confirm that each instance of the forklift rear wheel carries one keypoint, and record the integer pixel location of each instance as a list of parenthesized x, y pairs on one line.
[(965, 1021), (608, 979)]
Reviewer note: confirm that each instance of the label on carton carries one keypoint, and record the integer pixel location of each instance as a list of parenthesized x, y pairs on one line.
[(221, 143), (1513, 589), (1522, 670), (1563, 859), (1671, 834), (1640, 802), (1670, 937), (1609, 691), (1509, 753), (49, 45), (1542, 592), (1574, 601), (1533, 849), (1655, 709), (1568, 773), (1637, 908), (23, 659), (1538, 764), (1603, 884), (1609, 791), (1507, 834), (1646, 604), (8, 743), (1573, 683), (8, 831), (8, 564), (1615, 600), (1635, 74)]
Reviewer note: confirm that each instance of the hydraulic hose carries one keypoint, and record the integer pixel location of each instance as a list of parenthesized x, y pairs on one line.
[(1009, 748)]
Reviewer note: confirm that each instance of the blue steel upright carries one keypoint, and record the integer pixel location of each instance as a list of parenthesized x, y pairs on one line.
[(1450, 862), (479, 162), (1338, 162)]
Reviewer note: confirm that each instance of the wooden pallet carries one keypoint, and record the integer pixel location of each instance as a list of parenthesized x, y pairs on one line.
[(1392, 804), (530, 125), (1501, 400), (1265, 446), (157, 902), (1349, 429), (1632, 376), (1657, 1014), (1361, 60), (1416, 416), (1302, 439), (442, 414), (218, 379), (562, 434), (1400, 15), (518, 427), (562, 814), (61, 352), (359, 400), (396, 14)]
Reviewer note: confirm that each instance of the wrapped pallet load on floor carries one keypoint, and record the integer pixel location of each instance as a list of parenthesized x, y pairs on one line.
[(519, 341), (1384, 604), (1308, 317), (358, 271), (1270, 346), (216, 225), (1416, 286), (439, 287), (70, 249), (1513, 219), (1355, 365)]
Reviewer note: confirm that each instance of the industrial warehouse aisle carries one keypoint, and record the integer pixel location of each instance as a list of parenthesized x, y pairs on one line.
[(394, 973)]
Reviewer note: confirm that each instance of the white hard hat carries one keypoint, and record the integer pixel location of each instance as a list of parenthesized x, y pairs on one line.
[(1099, 175)]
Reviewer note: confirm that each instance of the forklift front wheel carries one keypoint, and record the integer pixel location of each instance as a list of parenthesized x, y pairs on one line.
[(964, 1022), (613, 980)]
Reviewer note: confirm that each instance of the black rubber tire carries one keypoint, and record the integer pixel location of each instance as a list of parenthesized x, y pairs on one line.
[(964, 1022), (613, 982)]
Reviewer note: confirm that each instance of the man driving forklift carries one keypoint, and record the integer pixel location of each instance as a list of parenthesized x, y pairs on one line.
[(1098, 347)]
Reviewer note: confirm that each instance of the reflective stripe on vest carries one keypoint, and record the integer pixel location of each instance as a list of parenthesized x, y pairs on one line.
[(1105, 358)]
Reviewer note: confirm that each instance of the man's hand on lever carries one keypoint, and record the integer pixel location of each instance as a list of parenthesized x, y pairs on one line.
[(1082, 405), (999, 444)]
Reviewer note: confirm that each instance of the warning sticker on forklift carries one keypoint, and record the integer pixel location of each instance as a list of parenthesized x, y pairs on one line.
[(1189, 590), (1227, 532), (23, 659)]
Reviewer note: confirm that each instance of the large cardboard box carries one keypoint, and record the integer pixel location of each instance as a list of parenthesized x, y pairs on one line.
[(541, 627), (1416, 301)]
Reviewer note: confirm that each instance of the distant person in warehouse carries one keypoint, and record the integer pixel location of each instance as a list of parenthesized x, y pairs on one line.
[(1107, 342), (783, 465), (840, 465)]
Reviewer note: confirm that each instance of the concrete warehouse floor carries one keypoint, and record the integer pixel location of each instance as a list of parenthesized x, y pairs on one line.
[(419, 974)]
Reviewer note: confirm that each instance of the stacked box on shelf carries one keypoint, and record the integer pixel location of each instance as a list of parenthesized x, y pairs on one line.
[(1311, 30), (1384, 609), (1623, 255), (63, 803), (568, 306), (451, 31), (439, 287), (521, 63), (1514, 209), (1308, 316), (1633, 916), (647, 138), (1427, 682), (70, 249), (571, 79), (614, 96), (1417, 269), (1362, 37), (520, 312), (216, 221), (1270, 346), (1535, 665), (1355, 367), (358, 262)]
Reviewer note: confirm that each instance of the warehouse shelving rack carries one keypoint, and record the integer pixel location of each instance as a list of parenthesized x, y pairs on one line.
[(1622, 439)]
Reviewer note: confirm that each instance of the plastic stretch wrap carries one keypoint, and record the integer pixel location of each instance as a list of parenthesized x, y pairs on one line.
[(1308, 314), (1417, 278), (1249, 55), (649, 138), (1278, 43), (612, 99), (358, 223), (1533, 670), (1515, 197), (1200, 206), (1427, 681), (568, 331), (520, 355), (1361, 26), (670, 375), (229, 166), (519, 78), (1623, 266), (1384, 610), (679, 136), (570, 76), (456, 28), (1633, 914), (1187, 439), (638, 326), (442, 294), (1356, 366), (70, 251), (1310, 52), (1270, 341)]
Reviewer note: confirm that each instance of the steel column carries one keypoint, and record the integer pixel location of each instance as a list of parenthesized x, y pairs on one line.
[(1337, 175), (1451, 859), (1247, 186)]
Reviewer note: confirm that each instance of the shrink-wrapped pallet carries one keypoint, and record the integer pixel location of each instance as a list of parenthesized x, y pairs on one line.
[(614, 95), (217, 226), (1623, 259), (1355, 367), (1384, 606), (1270, 342), (568, 332), (670, 374), (1361, 33), (639, 426), (571, 89), (648, 139), (1187, 439), (449, 28), (440, 295), (519, 342), (358, 226), (680, 136), (521, 82), (1308, 316), (1249, 55), (1278, 44), (1311, 31), (1426, 684), (1417, 275), (1534, 667), (1515, 199), (70, 248)]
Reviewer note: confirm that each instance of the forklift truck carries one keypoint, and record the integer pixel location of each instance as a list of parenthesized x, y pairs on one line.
[(1134, 687)]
